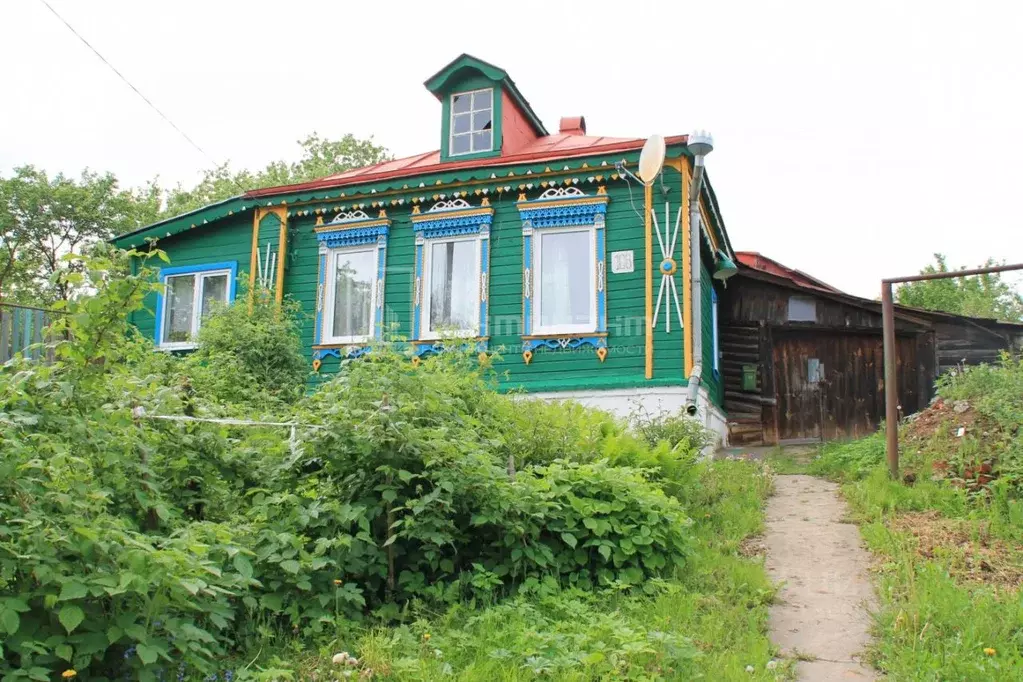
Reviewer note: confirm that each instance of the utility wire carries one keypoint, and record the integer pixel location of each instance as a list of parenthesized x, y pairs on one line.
[(128, 83)]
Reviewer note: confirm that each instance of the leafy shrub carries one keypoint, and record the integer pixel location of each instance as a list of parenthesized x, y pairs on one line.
[(675, 429), (250, 352), (133, 546)]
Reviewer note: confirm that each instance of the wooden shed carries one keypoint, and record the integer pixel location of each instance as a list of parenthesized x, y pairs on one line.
[(802, 361)]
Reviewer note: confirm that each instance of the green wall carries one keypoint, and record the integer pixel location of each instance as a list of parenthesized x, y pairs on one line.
[(227, 240), (624, 366)]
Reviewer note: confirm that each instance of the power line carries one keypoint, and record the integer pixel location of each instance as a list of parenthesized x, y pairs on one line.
[(128, 83)]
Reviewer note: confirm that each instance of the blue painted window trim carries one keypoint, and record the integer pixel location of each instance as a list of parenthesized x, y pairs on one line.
[(339, 235), (464, 222), (232, 285), (566, 210)]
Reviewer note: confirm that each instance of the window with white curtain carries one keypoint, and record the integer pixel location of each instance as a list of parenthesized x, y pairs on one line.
[(350, 295), (565, 278), (187, 300), (451, 287)]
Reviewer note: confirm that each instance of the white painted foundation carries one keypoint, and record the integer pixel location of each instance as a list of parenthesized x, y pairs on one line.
[(627, 402)]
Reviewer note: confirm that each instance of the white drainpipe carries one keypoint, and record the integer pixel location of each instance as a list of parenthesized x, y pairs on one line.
[(700, 144)]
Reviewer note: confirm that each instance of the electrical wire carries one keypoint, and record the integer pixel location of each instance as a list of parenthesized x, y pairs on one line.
[(129, 83)]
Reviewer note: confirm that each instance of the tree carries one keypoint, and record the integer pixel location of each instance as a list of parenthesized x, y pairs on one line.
[(320, 157), (977, 296), (44, 220)]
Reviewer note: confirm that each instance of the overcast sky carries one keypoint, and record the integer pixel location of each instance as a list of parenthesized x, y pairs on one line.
[(852, 140)]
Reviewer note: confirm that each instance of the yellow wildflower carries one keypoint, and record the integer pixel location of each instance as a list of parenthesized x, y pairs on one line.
[(426, 637), (339, 582), (989, 651), (69, 673)]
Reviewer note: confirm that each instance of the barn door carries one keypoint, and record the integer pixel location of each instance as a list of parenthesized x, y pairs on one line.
[(831, 385), (799, 373)]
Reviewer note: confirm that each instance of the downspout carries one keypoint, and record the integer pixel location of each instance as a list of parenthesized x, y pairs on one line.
[(700, 144)]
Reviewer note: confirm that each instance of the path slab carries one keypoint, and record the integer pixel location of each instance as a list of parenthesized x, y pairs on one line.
[(822, 609)]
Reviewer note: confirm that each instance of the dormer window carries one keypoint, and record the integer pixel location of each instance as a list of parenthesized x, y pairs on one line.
[(472, 122)]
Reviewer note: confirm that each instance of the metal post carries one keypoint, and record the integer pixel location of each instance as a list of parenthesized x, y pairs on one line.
[(891, 389)]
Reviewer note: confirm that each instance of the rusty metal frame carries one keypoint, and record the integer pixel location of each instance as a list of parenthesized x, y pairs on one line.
[(891, 392)]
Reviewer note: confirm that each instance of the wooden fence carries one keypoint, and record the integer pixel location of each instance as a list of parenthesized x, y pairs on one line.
[(23, 330)]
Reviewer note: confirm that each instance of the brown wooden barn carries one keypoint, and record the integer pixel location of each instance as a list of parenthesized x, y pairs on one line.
[(803, 361)]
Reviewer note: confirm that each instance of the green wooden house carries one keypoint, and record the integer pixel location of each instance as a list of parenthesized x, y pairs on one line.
[(541, 248)]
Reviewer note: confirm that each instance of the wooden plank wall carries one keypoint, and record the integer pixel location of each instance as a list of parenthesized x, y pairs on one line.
[(971, 344)]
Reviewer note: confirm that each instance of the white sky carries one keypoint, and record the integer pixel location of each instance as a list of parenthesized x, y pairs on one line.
[(852, 139)]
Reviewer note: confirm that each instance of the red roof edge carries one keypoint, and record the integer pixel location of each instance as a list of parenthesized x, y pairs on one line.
[(510, 160), (758, 261)]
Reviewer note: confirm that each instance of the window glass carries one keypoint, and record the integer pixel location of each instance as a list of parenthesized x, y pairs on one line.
[(354, 277), (179, 299), (566, 286), (472, 121), (461, 103), (453, 286), (802, 309), (214, 288)]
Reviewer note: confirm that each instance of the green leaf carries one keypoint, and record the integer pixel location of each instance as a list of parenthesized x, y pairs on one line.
[(72, 590), (291, 566), (405, 476), (569, 540), (605, 552), (147, 654), (11, 621), (389, 495), (71, 617), (114, 633), (64, 651), (37, 673), (243, 565)]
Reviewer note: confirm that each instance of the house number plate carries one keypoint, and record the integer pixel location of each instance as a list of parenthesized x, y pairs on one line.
[(622, 262)]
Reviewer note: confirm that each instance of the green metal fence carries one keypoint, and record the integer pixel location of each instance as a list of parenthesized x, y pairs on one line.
[(23, 329)]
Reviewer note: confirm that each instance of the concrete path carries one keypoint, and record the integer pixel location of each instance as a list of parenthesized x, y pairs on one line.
[(821, 612)]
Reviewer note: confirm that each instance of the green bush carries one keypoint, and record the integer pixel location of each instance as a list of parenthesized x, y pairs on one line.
[(250, 353), (142, 547)]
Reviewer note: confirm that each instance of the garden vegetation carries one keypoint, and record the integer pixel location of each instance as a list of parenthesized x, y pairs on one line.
[(949, 534), (414, 524)]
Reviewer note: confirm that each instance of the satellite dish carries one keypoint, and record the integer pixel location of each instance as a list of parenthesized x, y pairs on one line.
[(651, 159)]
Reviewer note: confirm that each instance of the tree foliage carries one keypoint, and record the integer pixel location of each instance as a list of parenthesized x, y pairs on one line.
[(44, 219), (320, 157), (988, 296)]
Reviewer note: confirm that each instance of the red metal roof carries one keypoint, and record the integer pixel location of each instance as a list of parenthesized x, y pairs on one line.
[(758, 261), (543, 149)]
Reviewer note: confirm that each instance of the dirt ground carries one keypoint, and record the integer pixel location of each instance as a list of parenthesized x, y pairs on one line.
[(821, 616)]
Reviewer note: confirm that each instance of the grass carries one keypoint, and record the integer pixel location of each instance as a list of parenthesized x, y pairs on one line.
[(708, 623), (948, 569), (791, 460)]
